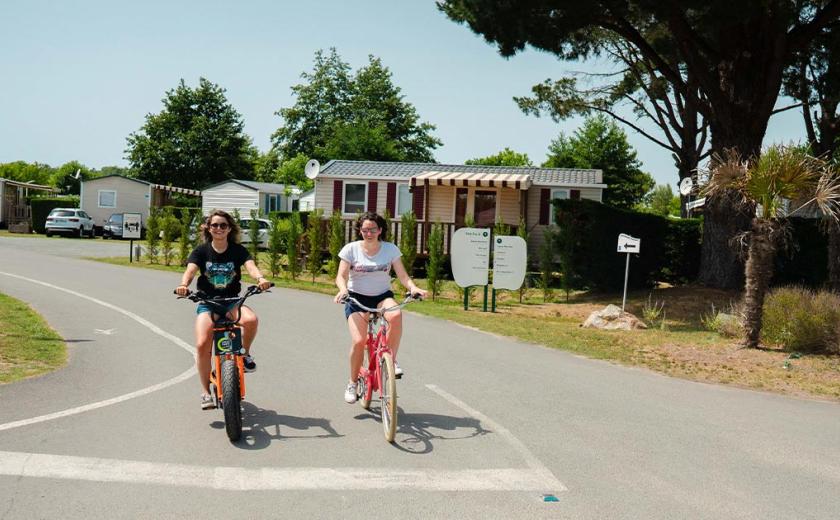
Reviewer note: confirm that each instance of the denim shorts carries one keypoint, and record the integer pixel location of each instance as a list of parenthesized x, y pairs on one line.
[(203, 307), (367, 301)]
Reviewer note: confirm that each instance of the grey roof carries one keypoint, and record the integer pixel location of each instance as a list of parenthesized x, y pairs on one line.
[(404, 171), (269, 187)]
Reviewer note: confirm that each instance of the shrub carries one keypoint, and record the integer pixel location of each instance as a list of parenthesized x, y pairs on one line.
[(728, 324), (41, 207), (254, 234), (153, 235), (293, 235), (276, 236), (315, 235), (408, 241), (336, 242), (653, 311), (434, 266), (802, 320), (170, 228), (184, 241)]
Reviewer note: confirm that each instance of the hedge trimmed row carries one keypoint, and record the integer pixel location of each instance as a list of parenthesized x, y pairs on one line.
[(670, 249)]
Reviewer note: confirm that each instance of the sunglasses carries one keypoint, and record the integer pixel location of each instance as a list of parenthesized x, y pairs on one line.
[(219, 225), (368, 231)]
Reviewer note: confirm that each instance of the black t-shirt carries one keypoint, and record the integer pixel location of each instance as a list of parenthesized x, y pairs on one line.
[(220, 272)]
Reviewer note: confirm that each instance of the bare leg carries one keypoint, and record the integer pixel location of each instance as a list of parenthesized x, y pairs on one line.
[(250, 324), (394, 326), (203, 338), (357, 322)]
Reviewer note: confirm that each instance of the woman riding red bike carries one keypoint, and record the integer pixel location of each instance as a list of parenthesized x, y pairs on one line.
[(365, 274), (219, 261)]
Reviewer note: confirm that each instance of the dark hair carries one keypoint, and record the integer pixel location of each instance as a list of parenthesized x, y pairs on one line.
[(380, 223), (233, 236)]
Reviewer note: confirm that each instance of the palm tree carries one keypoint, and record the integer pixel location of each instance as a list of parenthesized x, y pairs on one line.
[(782, 176)]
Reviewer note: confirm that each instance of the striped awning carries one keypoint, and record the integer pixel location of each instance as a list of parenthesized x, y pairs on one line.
[(175, 189), (519, 181)]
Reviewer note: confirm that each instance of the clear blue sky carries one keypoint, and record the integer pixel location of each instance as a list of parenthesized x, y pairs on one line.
[(79, 76)]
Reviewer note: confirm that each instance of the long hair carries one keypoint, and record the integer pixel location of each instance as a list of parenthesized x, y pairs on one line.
[(233, 235), (380, 223)]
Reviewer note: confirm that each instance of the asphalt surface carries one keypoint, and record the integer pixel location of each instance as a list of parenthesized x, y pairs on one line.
[(489, 427)]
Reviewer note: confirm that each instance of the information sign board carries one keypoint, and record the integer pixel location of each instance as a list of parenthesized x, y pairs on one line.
[(470, 255), (510, 256)]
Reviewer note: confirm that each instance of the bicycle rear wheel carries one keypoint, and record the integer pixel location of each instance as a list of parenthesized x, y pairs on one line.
[(231, 400), (388, 391)]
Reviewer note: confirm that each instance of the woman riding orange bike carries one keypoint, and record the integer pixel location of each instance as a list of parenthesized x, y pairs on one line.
[(365, 274), (219, 261)]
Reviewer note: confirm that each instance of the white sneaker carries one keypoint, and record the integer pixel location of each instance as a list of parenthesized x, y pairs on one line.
[(398, 372), (350, 393)]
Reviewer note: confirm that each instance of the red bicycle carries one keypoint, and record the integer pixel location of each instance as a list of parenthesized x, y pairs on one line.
[(378, 375)]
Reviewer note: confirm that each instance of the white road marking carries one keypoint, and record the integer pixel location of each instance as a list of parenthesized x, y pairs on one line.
[(266, 478), (104, 332), (114, 400), (537, 467)]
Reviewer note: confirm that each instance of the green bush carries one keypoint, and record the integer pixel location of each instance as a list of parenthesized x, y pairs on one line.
[(335, 242), (802, 320), (670, 249)]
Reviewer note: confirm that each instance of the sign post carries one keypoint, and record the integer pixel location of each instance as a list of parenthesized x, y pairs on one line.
[(629, 245), (131, 230), (470, 254), (510, 256)]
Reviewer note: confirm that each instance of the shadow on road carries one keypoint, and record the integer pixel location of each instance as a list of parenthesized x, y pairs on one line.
[(416, 431), (261, 426)]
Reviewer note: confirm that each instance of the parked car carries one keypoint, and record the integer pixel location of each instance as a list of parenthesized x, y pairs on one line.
[(113, 228), (262, 238), (70, 221)]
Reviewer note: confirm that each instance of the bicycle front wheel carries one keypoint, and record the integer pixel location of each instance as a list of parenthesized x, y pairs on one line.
[(231, 400), (388, 391)]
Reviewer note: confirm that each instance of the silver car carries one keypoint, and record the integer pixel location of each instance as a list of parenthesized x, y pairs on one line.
[(69, 221), (262, 234)]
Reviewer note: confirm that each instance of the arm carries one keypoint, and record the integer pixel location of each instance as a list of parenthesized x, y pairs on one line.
[(405, 280), (186, 279), (341, 280), (255, 273)]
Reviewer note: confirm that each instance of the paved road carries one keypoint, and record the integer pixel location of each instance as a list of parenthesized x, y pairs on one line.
[(488, 427)]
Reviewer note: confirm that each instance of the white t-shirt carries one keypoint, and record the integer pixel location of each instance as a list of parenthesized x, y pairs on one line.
[(369, 275)]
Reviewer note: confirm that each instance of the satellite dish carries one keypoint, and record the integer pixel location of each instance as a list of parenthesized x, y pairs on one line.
[(685, 186), (312, 169), (78, 173)]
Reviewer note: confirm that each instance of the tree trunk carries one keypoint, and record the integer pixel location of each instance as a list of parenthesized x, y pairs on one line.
[(759, 271)]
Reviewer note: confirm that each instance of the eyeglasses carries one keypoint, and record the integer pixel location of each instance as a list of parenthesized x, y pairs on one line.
[(368, 231), (220, 225)]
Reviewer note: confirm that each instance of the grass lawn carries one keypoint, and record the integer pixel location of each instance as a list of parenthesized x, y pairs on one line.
[(28, 346), (677, 344), (5, 233)]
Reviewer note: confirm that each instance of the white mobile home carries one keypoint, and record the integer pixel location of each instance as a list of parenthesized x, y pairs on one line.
[(245, 196)]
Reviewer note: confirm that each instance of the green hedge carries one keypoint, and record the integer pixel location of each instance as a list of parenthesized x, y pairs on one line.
[(805, 260), (670, 249), (41, 207)]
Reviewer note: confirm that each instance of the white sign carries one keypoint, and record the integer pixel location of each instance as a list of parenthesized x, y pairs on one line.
[(131, 225), (510, 256), (470, 256), (628, 244)]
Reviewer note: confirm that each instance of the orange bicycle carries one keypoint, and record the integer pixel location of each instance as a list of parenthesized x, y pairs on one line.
[(378, 375), (227, 368)]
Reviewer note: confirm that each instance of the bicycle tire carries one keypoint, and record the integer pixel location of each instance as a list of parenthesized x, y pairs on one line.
[(364, 392), (231, 400), (388, 391)]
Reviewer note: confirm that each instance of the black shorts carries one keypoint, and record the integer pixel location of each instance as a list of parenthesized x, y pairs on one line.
[(367, 301)]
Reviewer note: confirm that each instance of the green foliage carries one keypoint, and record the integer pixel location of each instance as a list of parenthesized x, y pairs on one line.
[(336, 242), (522, 232), (266, 166), (662, 201), (670, 248), (64, 177), (469, 220), (254, 232), (802, 320), (293, 234), (196, 140), (292, 173), (728, 324), (276, 238), (500, 228), (546, 258), (601, 144), (506, 157), (185, 245), (41, 207), (169, 229), (653, 311), (23, 171), (315, 234), (434, 265), (408, 240), (338, 115), (153, 228)]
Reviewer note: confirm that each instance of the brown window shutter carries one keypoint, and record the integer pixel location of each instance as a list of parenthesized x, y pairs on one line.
[(338, 193), (417, 202), (574, 194), (545, 197), (373, 191), (391, 198)]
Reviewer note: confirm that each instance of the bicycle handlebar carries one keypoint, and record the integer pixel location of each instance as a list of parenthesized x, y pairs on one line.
[(409, 298), (201, 296)]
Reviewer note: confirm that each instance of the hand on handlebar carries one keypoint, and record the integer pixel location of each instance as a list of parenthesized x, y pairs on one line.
[(264, 284), (341, 297), (418, 293), (182, 291)]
